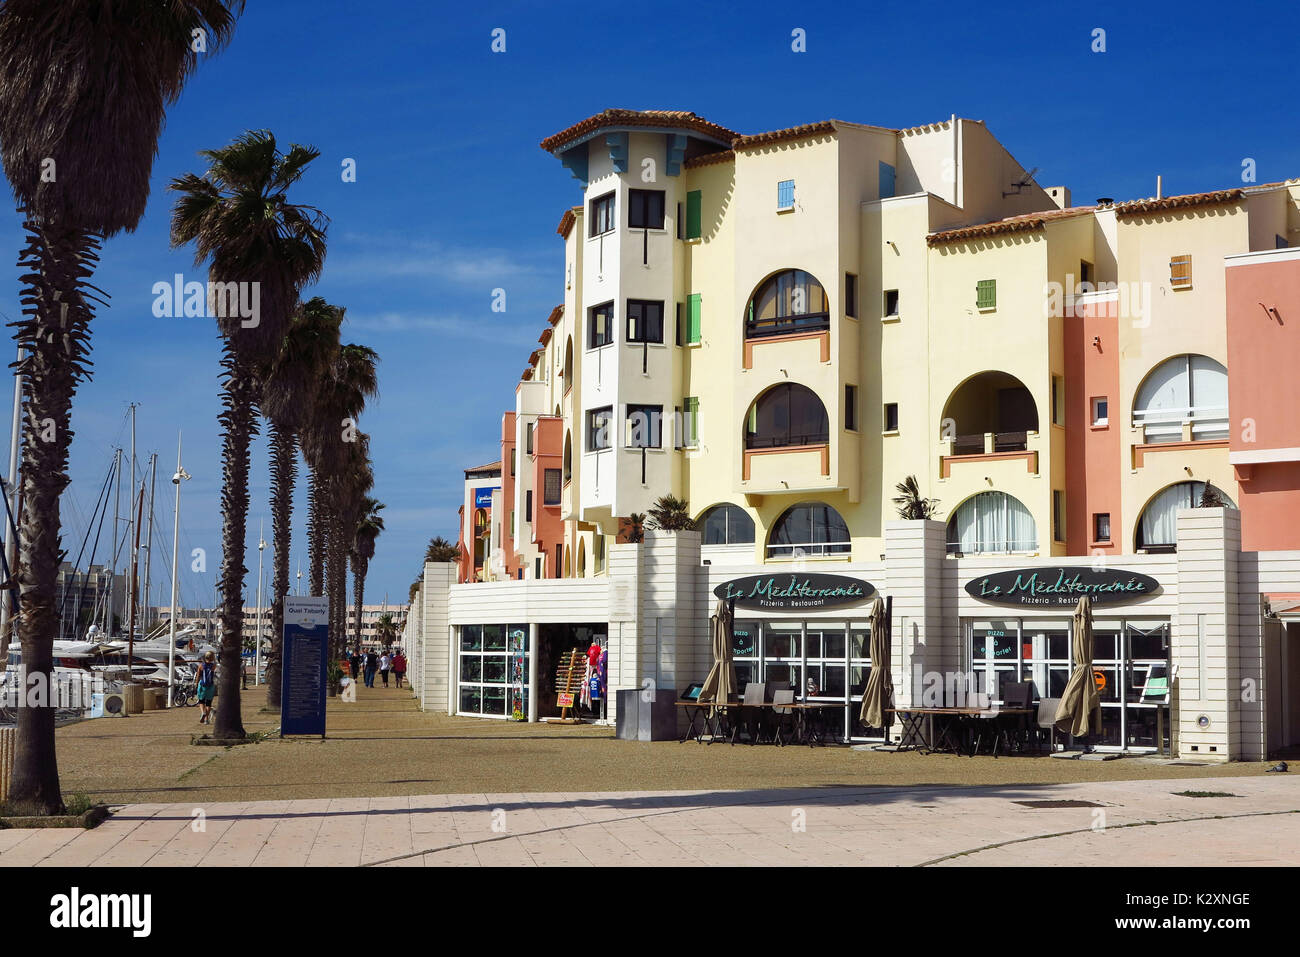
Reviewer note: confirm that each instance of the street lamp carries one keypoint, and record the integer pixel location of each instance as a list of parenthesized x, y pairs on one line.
[(179, 474), (257, 647)]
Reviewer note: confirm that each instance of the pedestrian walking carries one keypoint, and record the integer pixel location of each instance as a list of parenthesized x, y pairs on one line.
[(207, 689), (372, 665), (385, 665), (399, 667), (354, 663)]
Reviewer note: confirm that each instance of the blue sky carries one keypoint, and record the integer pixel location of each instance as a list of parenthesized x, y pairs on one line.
[(454, 198)]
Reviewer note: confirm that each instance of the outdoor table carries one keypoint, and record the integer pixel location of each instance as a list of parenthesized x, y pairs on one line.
[(912, 719), (698, 713)]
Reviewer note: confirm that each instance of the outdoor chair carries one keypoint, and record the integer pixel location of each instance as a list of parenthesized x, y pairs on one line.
[(753, 700), (782, 718), (1047, 721)]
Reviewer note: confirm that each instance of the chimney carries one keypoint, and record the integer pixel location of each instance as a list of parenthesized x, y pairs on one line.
[(1060, 195)]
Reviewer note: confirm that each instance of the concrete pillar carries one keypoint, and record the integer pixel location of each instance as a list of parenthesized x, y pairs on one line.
[(923, 640), (623, 562), (1205, 640)]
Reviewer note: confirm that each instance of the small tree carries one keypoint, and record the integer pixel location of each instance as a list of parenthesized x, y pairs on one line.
[(1210, 498), (413, 591), (911, 503), (441, 550), (635, 527), (670, 514)]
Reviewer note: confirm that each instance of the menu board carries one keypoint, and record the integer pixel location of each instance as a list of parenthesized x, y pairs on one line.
[(303, 663)]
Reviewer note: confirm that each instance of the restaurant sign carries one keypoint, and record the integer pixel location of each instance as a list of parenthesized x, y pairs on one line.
[(1060, 587), (781, 592)]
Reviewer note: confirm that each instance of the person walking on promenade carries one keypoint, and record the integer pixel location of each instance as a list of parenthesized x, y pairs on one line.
[(385, 664), (399, 667), (372, 665), (354, 663), (207, 690)]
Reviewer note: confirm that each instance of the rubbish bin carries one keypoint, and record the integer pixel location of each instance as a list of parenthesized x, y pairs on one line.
[(133, 695), (641, 720)]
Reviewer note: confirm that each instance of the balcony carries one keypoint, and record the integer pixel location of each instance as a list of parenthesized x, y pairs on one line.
[(989, 447)]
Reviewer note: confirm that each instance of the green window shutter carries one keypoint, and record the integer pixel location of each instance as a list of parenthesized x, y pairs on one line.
[(693, 319), (986, 294), (692, 420), (693, 214)]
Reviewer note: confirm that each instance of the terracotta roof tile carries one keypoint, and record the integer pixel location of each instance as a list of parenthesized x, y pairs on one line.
[(545, 337), (567, 220), (1137, 207), (1024, 223), (491, 466), (646, 119), (709, 159), (534, 356), (528, 374), (556, 314), (780, 136)]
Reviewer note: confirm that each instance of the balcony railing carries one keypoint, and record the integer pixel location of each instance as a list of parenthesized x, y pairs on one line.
[(1002, 442), (785, 325), (792, 440), (1166, 425)]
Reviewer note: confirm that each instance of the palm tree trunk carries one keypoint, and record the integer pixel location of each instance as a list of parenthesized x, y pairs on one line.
[(55, 331), (315, 535), (284, 470), (239, 425), (359, 564)]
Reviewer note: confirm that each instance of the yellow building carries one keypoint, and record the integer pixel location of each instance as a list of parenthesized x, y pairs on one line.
[(779, 328)]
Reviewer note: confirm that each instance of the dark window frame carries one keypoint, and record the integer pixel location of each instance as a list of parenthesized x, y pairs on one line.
[(850, 407), (639, 206), (656, 438), (601, 211), (594, 428), (851, 295), (887, 409), (1097, 519), (549, 476), (642, 322), (592, 312), (788, 392)]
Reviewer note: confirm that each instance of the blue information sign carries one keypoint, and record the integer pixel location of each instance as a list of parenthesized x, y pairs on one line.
[(303, 665), (483, 496)]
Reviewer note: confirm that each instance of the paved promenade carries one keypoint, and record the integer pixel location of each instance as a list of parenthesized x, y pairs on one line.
[(1138, 823)]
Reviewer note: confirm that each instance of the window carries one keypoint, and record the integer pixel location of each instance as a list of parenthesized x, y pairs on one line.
[(1058, 515), (598, 428), (512, 523), (602, 215), (645, 208), (991, 522), (986, 294), (1101, 527), (645, 321), (528, 505), (809, 528), (642, 427), (1058, 400), (725, 525), (537, 566), (785, 194), (551, 480), (568, 457), (851, 408), (598, 552), (600, 325), (1085, 273), (693, 319), (514, 454), (891, 303), (1157, 529), (677, 326), (1180, 272), (691, 421), (559, 561), (694, 214), (681, 223), (528, 438), (1100, 410), (789, 301), (850, 295), (1188, 388), (785, 415), (891, 417)]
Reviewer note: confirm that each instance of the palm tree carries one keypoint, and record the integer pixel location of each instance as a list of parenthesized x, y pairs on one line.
[(386, 629), (440, 550), (911, 504), (670, 514), (83, 97), (240, 220), (289, 389), (368, 528), (634, 527)]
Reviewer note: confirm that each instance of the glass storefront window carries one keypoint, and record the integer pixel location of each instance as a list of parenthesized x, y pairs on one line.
[(494, 670)]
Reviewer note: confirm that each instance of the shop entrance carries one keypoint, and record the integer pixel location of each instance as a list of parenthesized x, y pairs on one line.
[(554, 642), (1282, 686)]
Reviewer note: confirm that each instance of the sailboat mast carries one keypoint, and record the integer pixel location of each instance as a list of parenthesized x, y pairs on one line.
[(131, 602), (148, 543), (112, 566)]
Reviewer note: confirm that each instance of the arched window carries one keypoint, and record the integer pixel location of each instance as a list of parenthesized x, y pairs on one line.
[(1191, 387), (598, 552), (568, 457), (809, 528), (991, 522), (1157, 529), (786, 414), (582, 558), (568, 364), (725, 524), (788, 301)]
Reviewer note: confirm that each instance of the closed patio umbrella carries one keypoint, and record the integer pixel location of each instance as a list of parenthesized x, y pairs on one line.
[(721, 682), (878, 697), (1080, 704)]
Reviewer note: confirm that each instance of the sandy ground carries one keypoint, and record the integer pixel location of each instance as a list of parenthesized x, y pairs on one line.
[(383, 746)]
